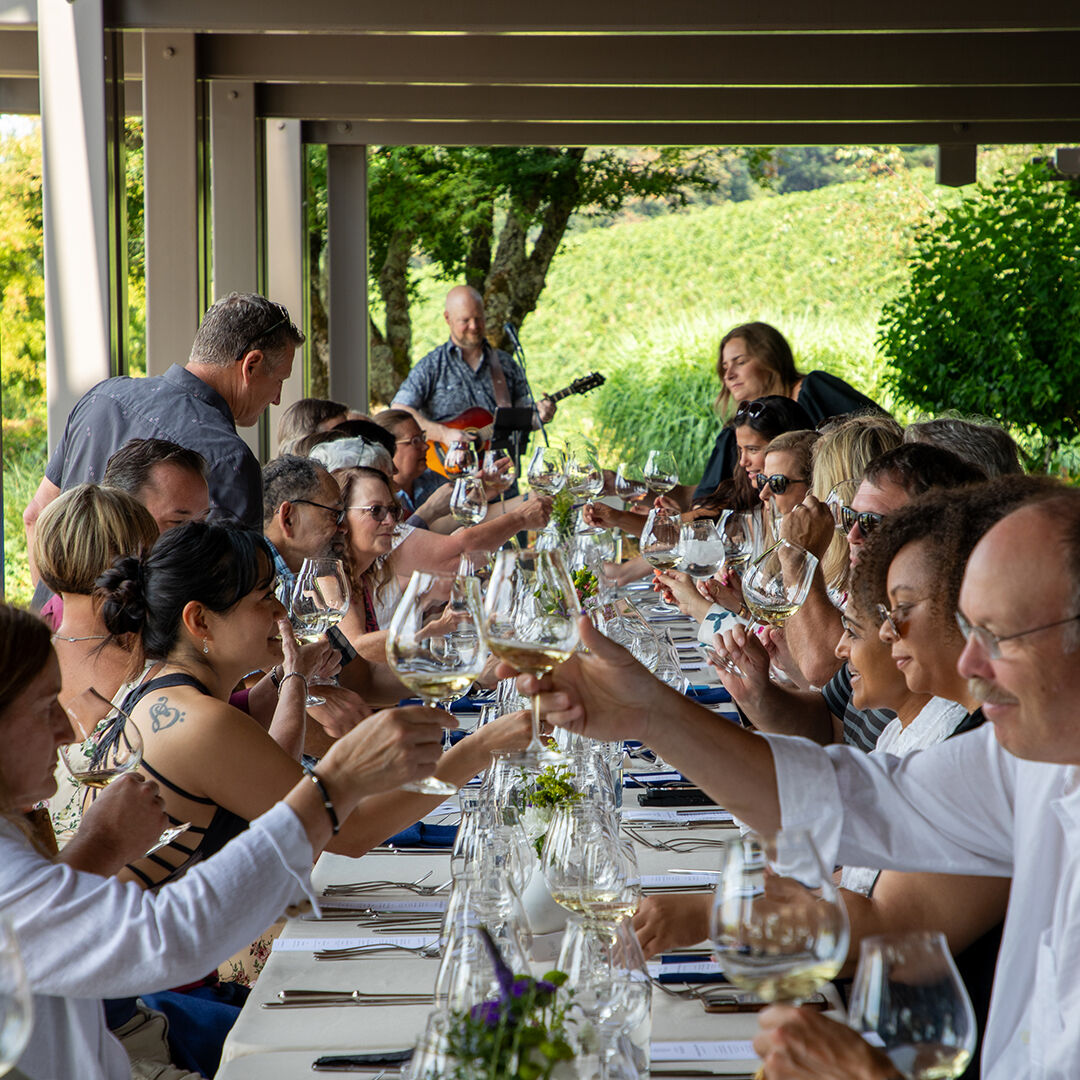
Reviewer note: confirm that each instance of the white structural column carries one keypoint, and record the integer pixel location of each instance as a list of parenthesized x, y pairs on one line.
[(286, 233), (171, 162), (84, 317), (347, 212)]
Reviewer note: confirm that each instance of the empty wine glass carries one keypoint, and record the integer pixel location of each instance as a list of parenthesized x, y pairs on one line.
[(701, 550), (435, 645), (778, 582), (530, 621), (468, 500), (630, 480), (547, 470), (778, 926), (908, 992), (739, 530), (839, 496), (16, 1003), (497, 471), (661, 472), (660, 546), (322, 588), (460, 459)]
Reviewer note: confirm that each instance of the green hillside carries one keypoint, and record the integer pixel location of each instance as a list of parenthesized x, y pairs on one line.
[(647, 302)]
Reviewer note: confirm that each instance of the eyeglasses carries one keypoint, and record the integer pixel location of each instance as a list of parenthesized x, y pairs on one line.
[(283, 319), (337, 511), (778, 482), (417, 440), (750, 410), (867, 520), (991, 643), (898, 616), (379, 512)]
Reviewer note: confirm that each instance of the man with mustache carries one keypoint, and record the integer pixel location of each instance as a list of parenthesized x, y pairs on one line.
[(1001, 801)]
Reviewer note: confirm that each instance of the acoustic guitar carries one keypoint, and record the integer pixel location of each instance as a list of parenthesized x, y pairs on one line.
[(477, 423)]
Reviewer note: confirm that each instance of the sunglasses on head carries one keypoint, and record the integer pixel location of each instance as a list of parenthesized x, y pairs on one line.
[(379, 512), (282, 318), (867, 520), (778, 482), (750, 410)]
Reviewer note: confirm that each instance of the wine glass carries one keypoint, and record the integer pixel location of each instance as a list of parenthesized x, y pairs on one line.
[(778, 582), (661, 472), (778, 926), (497, 471), (701, 551), (322, 589), (16, 1003), (547, 470), (435, 647), (108, 744), (460, 459), (840, 495), (530, 622), (908, 992), (630, 481), (739, 531), (468, 500), (660, 546)]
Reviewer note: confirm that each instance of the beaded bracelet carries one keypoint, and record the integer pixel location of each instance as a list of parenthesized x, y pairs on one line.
[(292, 675), (327, 802)]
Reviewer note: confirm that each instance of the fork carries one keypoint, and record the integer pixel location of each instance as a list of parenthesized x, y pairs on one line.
[(355, 887), (427, 952)]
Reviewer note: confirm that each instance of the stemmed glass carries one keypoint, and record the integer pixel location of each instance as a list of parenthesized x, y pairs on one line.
[(778, 582), (435, 646), (16, 1003), (908, 992), (319, 601), (584, 477), (701, 550), (530, 621), (660, 546), (661, 472), (547, 470), (840, 495), (497, 471), (778, 926), (108, 744), (468, 500), (630, 481), (739, 531), (461, 458)]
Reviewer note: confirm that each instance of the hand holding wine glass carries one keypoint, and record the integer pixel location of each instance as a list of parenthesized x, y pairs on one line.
[(468, 501), (321, 597), (547, 470), (497, 471)]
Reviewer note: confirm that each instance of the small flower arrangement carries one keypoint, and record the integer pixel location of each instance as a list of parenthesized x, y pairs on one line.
[(562, 516), (522, 1035), (586, 584), (541, 795)]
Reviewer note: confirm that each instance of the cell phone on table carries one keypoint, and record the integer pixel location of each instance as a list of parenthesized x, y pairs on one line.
[(741, 1001), (361, 1062)]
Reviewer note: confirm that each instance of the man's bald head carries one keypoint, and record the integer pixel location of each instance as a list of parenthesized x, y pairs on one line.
[(464, 314)]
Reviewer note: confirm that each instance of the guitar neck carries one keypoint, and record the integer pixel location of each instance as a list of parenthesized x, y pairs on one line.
[(566, 391)]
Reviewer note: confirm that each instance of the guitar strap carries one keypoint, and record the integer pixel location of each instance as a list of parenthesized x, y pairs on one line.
[(498, 381)]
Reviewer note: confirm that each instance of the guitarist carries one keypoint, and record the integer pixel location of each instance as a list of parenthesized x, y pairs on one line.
[(465, 372)]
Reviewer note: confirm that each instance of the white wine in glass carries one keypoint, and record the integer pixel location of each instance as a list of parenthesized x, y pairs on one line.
[(468, 501), (547, 470), (778, 582), (661, 472), (323, 585), (530, 622), (908, 992), (428, 650)]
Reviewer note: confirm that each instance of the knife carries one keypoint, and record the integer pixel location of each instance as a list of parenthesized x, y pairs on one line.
[(360, 1062)]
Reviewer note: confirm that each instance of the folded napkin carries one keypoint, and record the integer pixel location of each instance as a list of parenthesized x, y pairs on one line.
[(708, 695), (423, 835), (465, 704)]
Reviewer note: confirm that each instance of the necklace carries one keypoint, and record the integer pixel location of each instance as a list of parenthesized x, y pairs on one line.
[(88, 637)]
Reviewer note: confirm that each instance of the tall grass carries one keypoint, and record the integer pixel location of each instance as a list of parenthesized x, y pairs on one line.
[(24, 466)]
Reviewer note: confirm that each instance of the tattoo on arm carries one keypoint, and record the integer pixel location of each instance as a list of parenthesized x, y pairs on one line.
[(163, 715)]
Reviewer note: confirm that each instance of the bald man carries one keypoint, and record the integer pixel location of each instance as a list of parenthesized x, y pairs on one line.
[(464, 372)]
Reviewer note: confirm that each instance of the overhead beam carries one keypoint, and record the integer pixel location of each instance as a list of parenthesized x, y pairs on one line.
[(961, 59), (310, 101), (343, 16), (19, 54), (404, 133)]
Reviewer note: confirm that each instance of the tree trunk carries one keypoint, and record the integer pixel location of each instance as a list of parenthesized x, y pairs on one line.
[(319, 347), (478, 255), (391, 356)]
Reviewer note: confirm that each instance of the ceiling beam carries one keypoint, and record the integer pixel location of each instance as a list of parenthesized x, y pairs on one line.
[(493, 16), (1003, 59), (311, 101), (427, 133)]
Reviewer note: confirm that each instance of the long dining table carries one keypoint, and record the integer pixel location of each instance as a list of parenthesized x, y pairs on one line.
[(273, 1042)]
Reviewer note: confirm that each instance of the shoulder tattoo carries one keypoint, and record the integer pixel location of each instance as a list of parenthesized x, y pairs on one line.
[(163, 715)]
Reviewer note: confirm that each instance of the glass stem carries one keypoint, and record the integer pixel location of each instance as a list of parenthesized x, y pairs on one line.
[(535, 743)]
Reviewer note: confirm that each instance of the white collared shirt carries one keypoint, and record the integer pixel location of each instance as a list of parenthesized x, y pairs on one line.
[(967, 807)]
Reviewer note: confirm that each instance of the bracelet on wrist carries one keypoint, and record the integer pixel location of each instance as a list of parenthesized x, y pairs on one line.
[(327, 802), (292, 675)]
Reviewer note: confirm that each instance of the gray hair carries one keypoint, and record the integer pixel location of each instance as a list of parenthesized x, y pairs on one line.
[(353, 453), (240, 322), (286, 479), (978, 442)]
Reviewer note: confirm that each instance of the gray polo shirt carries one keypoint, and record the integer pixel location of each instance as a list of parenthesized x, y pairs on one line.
[(442, 386), (177, 406)]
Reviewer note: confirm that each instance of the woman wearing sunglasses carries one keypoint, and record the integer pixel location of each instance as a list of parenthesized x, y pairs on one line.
[(785, 479), (755, 360)]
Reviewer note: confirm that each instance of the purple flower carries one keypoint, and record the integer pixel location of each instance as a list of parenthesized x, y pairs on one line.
[(488, 1013), (502, 972), (545, 987), (521, 987)]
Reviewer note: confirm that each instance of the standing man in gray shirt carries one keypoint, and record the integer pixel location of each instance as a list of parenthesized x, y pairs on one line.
[(242, 353)]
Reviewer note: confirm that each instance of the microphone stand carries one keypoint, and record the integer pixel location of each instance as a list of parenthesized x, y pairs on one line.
[(519, 355)]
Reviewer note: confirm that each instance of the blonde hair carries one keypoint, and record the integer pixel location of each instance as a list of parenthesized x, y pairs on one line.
[(799, 444), (82, 532), (842, 453)]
